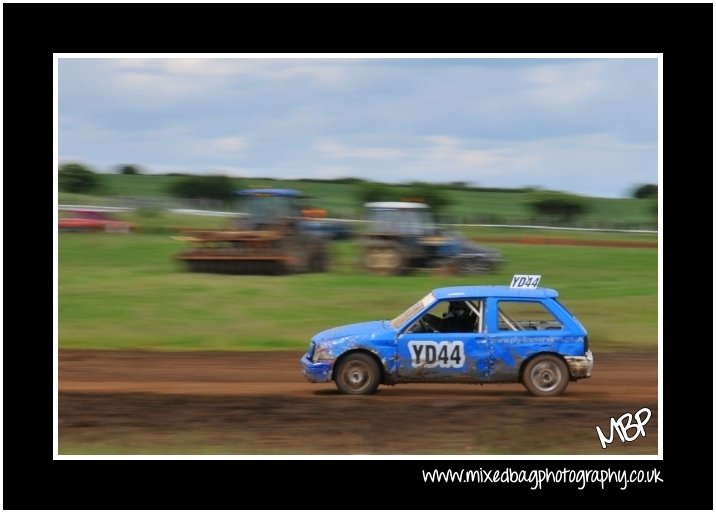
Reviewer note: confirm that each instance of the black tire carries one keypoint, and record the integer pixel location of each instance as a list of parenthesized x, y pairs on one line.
[(545, 376), (474, 266), (469, 265), (357, 374), (386, 260)]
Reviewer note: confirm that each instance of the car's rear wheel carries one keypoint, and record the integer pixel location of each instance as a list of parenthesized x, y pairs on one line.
[(545, 375), (357, 374)]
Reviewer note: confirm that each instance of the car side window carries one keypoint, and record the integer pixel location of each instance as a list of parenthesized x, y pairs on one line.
[(451, 317), (525, 315)]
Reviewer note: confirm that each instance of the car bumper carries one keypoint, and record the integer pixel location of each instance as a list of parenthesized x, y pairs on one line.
[(580, 367), (316, 372)]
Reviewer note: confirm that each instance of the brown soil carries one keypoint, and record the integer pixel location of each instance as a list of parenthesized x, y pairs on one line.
[(120, 402)]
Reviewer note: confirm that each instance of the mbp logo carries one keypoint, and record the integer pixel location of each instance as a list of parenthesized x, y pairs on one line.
[(622, 426)]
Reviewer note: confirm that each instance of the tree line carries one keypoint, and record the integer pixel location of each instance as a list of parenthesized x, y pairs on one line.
[(556, 206)]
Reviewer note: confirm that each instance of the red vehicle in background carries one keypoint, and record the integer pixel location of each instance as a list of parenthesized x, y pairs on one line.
[(93, 221)]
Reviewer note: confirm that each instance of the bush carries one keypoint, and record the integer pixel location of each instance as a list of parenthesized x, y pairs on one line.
[(128, 169), (216, 187), (556, 205), (430, 194), (648, 190), (374, 191), (418, 192), (77, 178)]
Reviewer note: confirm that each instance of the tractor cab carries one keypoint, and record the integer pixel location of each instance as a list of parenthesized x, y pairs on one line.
[(403, 236)]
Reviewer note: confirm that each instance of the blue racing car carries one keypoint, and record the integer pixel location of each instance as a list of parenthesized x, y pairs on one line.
[(472, 334)]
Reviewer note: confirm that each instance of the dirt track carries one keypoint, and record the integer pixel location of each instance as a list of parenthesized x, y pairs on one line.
[(117, 402)]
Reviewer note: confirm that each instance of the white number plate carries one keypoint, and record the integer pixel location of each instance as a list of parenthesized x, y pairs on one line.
[(525, 281), (428, 354)]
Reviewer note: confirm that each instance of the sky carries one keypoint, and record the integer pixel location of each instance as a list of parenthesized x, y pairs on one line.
[(580, 125)]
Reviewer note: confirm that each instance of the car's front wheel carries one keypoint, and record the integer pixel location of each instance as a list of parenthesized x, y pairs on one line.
[(357, 374), (545, 375)]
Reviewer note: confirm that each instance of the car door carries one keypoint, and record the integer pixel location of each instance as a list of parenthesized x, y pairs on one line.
[(517, 329), (445, 353)]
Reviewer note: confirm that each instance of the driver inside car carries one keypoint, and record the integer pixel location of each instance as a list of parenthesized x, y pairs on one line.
[(458, 319)]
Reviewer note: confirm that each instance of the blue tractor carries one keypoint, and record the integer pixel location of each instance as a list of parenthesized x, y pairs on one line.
[(403, 236)]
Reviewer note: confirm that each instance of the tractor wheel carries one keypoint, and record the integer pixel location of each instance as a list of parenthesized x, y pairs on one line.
[(385, 260), (461, 266), (318, 262), (474, 266)]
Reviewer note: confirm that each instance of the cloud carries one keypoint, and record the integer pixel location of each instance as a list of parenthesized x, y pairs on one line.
[(450, 153), (161, 82), (563, 86), (222, 145), (506, 122), (318, 71), (337, 150)]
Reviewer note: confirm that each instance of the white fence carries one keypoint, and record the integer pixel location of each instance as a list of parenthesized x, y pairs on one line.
[(234, 214)]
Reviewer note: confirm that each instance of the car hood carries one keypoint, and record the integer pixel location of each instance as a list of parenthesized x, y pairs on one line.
[(362, 329)]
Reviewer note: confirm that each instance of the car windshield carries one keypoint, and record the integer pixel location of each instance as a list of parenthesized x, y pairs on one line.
[(412, 311)]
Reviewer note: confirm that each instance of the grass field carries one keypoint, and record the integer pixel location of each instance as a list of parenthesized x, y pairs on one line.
[(128, 292), (342, 200)]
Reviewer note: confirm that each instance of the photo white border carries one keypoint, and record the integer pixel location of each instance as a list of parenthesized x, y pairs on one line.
[(471, 457)]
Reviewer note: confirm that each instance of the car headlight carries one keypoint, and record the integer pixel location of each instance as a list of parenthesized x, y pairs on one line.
[(321, 353)]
